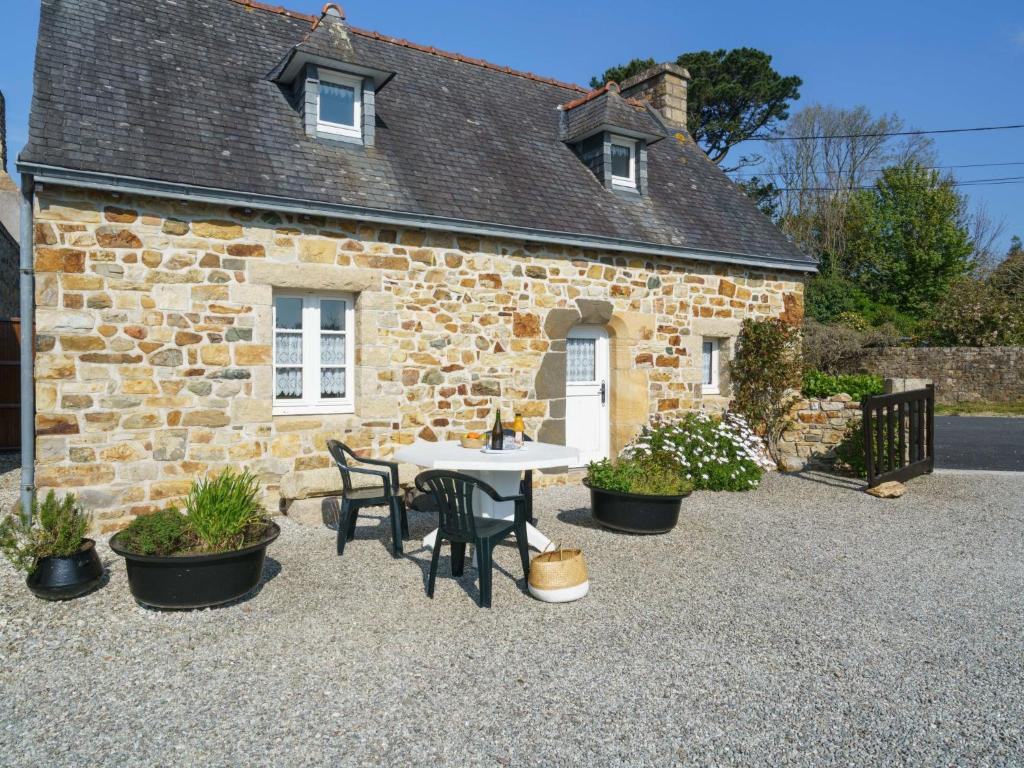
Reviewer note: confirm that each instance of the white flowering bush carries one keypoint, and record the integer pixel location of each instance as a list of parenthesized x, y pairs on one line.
[(714, 453)]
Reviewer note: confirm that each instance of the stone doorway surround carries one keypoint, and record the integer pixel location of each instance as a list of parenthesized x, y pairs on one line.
[(630, 393)]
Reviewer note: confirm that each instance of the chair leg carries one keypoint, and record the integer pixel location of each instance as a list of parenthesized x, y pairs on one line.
[(344, 512), (396, 528), (458, 558), (433, 567), (524, 549), (353, 517), (484, 550), (405, 519), (528, 493)]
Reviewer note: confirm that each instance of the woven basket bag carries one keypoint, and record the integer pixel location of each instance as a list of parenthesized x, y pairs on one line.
[(559, 576)]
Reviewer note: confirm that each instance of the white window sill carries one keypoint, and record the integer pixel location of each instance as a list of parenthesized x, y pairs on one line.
[(327, 409), (337, 129), (623, 183), (710, 390)]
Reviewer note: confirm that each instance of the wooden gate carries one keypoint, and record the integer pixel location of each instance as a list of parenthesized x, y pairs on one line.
[(10, 385), (899, 435)]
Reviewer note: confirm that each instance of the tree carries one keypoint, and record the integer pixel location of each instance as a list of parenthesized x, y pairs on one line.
[(733, 96), (818, 175), (1008, 277), (623, 72), (764, 374), (976, 313), (906, 239), (762, 192)]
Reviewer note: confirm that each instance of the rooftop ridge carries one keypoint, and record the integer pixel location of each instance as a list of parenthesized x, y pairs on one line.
[(279, 10), (314, 20), (588, 97)]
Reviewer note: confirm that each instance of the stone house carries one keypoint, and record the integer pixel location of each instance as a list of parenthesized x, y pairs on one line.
[(256, 230)]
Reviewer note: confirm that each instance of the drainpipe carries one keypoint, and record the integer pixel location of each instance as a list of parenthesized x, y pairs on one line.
[(28, 393)]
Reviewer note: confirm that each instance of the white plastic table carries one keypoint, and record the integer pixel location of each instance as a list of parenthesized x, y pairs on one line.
[(500, 469)]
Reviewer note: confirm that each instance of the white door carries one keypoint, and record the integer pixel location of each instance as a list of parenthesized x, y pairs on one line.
[(587, 393)]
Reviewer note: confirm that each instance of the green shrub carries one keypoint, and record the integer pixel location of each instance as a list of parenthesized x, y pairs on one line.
[(162, 533), (850, 450), (819, 384), (714, 453), (975, 313), (641, 475), (225, 513), (56, 530), (831, 348), (763, 372)]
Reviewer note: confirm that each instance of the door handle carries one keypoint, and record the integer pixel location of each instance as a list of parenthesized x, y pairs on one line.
[(603, 390)]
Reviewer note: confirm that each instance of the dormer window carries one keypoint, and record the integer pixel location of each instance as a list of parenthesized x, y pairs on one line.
[(623, 162), (340, 104)]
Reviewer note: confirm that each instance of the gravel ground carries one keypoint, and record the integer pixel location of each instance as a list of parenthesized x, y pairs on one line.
[(804, 623), (10, 477)]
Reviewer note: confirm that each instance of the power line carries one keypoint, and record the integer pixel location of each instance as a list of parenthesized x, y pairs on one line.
[(768, 174), (889, 133), (997, 181)]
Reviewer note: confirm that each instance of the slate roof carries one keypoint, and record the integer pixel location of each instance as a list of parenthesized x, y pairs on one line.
[(179, 91), (588, 115)]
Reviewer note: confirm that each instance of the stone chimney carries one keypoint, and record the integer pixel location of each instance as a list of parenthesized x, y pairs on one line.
[(663, 86)]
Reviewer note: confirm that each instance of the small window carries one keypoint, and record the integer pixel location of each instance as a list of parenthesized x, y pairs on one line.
[(710, 362), (339, 105), (623, 162), (313, 353)]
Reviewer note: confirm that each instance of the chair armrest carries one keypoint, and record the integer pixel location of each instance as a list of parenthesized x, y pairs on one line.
[(391, 465), (378, 462), (384, 476), (517, 497)]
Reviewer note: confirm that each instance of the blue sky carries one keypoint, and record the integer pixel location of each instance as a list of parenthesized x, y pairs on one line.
[(937, 64)]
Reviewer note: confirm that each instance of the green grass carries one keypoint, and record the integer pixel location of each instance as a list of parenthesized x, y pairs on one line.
[(981, 408)]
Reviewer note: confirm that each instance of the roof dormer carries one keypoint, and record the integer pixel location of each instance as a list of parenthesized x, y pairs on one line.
[(334, 92), (610, 135)]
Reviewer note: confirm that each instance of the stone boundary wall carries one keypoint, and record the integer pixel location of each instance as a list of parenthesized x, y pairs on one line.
[(817, 428), (960, 374)]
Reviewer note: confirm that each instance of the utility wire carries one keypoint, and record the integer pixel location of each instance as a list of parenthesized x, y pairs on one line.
[(998, 181), (767, 174), (892, 133)]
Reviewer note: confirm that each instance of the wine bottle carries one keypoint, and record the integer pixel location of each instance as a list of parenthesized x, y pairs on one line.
[(497, 434)]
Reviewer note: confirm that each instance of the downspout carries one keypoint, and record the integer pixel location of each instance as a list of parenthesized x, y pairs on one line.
[(28, 393)]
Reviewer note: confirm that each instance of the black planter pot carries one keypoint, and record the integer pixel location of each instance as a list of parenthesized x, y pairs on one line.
[(634, 513), (185, 582), (63, 578)]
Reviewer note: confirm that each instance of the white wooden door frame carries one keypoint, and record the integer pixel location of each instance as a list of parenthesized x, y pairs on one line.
[(599, 388)]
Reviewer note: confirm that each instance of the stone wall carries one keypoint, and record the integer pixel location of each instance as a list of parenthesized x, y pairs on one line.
[(154, 340), (960, 374), (818, 424)]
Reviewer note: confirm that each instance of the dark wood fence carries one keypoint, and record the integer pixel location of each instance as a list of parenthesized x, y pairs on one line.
[(10, 385), (899, 435)]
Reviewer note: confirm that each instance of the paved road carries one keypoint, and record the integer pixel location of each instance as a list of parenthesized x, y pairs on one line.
[(979, 442)]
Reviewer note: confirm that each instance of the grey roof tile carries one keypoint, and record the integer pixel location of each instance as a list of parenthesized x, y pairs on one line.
[(180, 92)]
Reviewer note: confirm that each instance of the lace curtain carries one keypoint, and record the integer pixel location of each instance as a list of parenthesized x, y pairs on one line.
[(580, 363)]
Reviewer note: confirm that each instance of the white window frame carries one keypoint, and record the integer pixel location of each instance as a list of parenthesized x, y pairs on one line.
[(311, 402), (340, 129), (626, 181), (714, 387)]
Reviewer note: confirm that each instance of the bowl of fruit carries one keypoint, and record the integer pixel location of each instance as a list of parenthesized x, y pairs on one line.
[(474, 440)]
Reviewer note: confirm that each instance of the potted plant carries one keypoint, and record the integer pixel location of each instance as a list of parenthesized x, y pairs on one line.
[(639, 493), (210, 555), (51, 548)]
